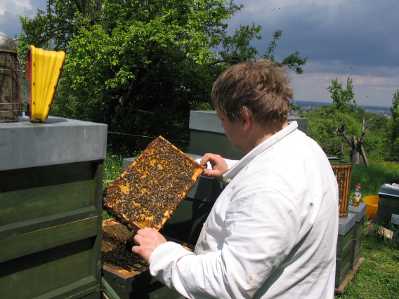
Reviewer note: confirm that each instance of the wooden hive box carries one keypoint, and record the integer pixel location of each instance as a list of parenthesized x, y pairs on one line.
[(125, 273), (50, 208), (150, 189)]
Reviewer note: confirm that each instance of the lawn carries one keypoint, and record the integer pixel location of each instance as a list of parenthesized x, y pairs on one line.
[(378, 276)]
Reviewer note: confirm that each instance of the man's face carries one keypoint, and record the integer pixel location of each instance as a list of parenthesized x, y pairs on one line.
[(234, 131)]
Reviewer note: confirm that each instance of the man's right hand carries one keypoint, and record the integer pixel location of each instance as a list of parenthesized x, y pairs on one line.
[(219, 165)]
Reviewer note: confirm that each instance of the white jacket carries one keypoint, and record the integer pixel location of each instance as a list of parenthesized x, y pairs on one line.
[(271, 233)]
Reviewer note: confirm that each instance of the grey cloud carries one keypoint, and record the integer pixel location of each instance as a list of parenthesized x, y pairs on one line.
[(357, 33), (10, 23)]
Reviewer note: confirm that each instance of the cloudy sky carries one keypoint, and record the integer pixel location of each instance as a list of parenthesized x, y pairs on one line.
[(340, 38)]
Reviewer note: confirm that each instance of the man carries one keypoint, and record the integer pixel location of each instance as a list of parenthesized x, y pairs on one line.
[(272, 231)]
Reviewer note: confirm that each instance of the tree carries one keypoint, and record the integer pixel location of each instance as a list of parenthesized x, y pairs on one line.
[(139, 65), (323, 124), (395, 105), (61, 20), (356, 144), (394, 138), (294, 61), (343, 98)]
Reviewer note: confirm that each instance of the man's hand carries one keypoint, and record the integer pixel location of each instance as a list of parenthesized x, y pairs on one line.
[(147, 239), (219, 165)]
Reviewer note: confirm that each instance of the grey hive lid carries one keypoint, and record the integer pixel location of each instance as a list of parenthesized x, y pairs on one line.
[(389, 190), (7, 44)]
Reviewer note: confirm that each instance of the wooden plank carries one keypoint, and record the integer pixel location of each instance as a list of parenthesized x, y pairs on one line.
[(38, 223), (98, 199), (348, 278), (44, 201), (27, 243), (28, 178), (344, 241), (109, 292), (343, 266), (77, 289), (58, 270)]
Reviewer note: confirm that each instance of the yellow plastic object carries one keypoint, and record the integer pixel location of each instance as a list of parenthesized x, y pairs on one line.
[(371, 202), (44, 69)]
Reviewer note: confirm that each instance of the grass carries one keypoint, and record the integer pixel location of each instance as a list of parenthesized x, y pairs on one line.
[(112, 168), (371, 178), (378, 276)]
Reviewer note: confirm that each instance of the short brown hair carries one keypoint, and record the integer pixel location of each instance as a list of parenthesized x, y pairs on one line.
[(262, 86)]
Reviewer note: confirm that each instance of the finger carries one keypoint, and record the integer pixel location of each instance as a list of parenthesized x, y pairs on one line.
[(136, 250), (146, 231), (211, 172), (142, 231), (210, 161), (204, 160), (138, 239)]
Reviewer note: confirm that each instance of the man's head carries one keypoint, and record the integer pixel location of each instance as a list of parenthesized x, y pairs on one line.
[(260, 87)]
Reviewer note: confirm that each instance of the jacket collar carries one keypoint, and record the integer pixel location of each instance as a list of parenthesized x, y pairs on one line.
[(263, 146)]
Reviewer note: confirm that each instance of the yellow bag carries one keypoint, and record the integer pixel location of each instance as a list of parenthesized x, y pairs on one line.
[(44, 69)]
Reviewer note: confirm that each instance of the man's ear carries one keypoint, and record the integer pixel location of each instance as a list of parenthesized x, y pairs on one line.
[(247, 118)]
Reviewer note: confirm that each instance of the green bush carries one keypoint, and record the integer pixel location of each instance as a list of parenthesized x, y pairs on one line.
[(324, 122), (371, 178)]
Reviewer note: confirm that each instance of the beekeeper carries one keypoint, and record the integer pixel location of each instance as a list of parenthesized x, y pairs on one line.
[(272, 232)]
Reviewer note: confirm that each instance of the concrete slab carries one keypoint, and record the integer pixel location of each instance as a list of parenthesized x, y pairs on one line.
[(202, 142), (209, 122), (60, 140), (207, 134), (346, 223), (359, 211)]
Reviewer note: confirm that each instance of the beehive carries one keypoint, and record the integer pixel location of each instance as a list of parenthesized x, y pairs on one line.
[(149, 191), (50, 208)]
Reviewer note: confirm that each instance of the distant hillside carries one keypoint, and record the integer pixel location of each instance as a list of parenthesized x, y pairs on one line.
[(308, 105)]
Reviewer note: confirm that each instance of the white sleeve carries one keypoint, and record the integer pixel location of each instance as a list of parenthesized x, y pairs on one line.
[(230, 163), (261, 229)]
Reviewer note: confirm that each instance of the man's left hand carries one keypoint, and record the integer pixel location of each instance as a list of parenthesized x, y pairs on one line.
[(147, 239)]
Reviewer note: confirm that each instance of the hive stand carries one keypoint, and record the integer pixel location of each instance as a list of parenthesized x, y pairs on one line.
[(50, 208), (346, 263), (360, 214)]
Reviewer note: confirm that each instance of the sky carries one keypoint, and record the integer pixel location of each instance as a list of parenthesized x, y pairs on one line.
[(339, 38)]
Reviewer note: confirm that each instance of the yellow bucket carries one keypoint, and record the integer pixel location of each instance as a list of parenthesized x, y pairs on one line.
[(371, 202)]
